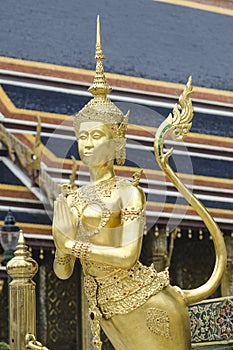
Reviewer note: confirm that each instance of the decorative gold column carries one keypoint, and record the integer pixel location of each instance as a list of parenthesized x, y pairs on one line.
[(22, 268)]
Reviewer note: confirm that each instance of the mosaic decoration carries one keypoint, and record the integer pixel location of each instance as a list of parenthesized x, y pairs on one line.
[(58, 306), (42, 310), (62, 313), (212, 321)]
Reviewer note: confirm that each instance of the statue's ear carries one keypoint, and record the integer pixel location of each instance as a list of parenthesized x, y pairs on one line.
[(120, 143)]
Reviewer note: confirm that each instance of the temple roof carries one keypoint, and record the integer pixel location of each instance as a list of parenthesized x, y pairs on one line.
[(151, 47), (162, 40), (55, 93)]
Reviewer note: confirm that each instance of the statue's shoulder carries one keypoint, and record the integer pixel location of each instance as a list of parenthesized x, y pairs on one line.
[(133, 194), (134, 182)]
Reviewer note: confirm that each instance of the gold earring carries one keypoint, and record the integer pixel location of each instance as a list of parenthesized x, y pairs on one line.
[(121, 156)]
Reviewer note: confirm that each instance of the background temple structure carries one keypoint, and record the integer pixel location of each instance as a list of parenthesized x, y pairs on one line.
[(151, 47)]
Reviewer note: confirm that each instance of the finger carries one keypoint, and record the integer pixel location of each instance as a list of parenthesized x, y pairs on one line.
[(54, 212), (64, 218), (62, 197), (66, 212), (59, 222)]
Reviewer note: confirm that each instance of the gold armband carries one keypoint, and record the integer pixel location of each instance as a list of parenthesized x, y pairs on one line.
[(81, 250), (63, 260), (131, 214)]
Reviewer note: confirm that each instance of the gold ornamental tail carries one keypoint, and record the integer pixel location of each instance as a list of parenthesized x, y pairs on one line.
[(177, 125)]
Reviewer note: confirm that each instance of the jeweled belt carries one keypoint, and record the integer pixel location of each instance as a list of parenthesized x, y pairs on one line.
[(127, 290), (122, 291)]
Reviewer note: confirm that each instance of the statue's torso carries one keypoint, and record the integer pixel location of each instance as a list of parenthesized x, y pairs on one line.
[(118, 291), (97, 209)]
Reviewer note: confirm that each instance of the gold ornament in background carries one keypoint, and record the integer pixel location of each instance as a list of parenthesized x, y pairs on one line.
[(103, 225), (22, 268)]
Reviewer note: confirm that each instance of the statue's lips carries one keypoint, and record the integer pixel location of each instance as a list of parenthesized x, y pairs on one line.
[(88, 154)]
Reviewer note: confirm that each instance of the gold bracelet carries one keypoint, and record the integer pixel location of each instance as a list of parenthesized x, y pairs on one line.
[(63, 260), (81, 250)]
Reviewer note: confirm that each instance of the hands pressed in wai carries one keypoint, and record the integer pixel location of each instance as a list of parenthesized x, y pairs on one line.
[(64, 226)]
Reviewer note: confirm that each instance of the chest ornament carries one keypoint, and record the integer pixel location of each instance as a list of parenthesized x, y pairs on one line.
[(90, 196)]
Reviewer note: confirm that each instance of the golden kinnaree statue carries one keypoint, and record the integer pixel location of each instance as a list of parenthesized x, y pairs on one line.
[(102, 225)]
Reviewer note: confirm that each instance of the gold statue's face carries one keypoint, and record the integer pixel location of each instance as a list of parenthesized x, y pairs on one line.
[(96, 144)]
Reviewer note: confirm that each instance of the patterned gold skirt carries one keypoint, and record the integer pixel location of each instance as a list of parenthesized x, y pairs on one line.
[(120, 292)]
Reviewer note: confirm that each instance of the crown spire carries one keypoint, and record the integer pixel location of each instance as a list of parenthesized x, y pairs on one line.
[(101, 108), (99, 89), (98, 50)]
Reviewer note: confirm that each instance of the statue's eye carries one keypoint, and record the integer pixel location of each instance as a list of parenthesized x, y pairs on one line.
[(82, 137), (97, 135)]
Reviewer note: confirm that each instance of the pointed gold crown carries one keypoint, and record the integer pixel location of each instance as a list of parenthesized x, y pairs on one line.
[(100, 108)]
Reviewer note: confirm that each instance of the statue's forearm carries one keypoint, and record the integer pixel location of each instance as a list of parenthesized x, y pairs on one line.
[(124, 256)]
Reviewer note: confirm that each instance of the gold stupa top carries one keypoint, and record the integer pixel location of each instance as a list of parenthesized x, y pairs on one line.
[(100, 107)]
